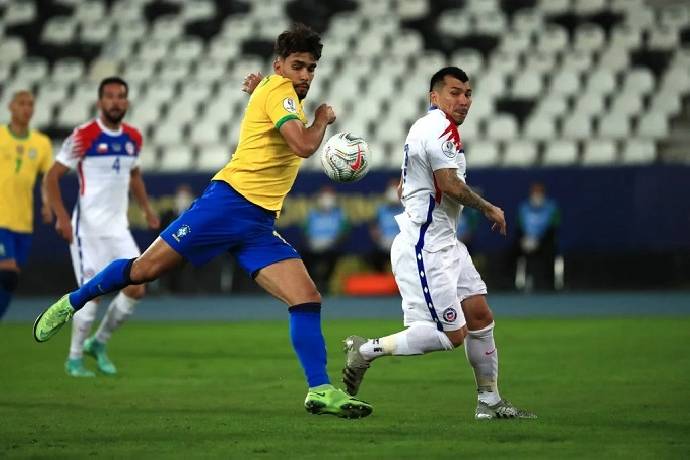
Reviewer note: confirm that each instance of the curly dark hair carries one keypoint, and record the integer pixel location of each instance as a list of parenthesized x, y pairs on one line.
[(299, 39)]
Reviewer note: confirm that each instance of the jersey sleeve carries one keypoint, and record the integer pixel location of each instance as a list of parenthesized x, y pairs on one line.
[(69, 153), (282, 104), (442, 148)]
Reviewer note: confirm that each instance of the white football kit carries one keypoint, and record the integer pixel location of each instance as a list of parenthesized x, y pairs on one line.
[(433, 270), (104, 160)]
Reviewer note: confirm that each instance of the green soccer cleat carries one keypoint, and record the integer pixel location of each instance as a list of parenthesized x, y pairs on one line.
[(51, 320), (75, 368), (502, 409), (327, 399), (96, 349), (356, 365)]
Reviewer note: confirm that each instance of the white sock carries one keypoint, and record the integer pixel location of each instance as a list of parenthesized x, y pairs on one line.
[(118, 311), (415, 340), (81, 326), (482, 354)]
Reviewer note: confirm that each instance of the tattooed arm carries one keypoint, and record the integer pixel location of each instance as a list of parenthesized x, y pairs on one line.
[(449, 183)]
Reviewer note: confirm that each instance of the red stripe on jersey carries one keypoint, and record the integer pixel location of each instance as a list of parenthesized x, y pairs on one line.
[(134, 134), (82, 181), (452, 132), (84, 136)]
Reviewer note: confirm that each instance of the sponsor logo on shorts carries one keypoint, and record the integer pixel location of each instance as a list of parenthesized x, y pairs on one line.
[(182, 232), (450, 315)]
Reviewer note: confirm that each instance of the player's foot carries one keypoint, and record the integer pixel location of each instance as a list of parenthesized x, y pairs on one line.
[(327, 399), (96, 349), (356, 365), (502, 409), (51, 320), (75, 368)]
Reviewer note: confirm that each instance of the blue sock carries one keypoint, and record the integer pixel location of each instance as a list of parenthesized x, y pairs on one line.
[(307, 340), (112, 278), (5, 297)]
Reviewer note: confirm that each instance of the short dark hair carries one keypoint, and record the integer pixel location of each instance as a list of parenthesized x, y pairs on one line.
[(437, 79), (110, 81), (299, 39)]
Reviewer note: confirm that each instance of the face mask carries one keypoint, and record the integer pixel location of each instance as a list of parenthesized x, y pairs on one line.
[(537, 200), (392, 195), (182, 201), (327, 201)]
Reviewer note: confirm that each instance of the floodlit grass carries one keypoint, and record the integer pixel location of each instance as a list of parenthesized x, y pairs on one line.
[(604, 388)]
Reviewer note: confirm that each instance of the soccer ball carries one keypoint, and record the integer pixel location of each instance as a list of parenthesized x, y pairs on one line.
[(345, 157)]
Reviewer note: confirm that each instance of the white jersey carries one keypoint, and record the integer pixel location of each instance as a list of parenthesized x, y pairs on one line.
[(430, 217), (104, 160)]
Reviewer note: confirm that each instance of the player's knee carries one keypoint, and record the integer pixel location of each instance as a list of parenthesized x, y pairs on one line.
[(9, 279), (457, 337)]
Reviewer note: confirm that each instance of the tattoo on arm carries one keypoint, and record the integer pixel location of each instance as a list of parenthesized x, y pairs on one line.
[(469, 198)]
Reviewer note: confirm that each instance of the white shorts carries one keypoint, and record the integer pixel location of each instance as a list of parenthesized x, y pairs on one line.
[(433, 285), (92, 254)]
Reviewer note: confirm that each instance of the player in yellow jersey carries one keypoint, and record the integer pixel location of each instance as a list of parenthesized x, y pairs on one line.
[(236, 214), (24, 154)]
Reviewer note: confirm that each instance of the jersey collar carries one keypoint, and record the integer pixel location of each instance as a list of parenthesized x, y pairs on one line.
[(107, 130)]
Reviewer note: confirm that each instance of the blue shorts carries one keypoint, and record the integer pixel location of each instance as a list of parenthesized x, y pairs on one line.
[(14, 245), (223, 220)]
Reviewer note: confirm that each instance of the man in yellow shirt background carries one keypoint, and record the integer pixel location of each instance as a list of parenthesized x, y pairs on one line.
[(24, 154)]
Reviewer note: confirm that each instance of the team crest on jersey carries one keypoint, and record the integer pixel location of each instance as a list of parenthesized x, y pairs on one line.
[(117, 147), (32, 154), (102, 147), (289, 105), (182, 232), (450, 314), (449, 149), (129, 148)]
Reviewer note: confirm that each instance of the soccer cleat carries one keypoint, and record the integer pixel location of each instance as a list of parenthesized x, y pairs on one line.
[(502, 409), (356, 365), (96, 349), (327, 399), (75, 368), (51, 320)]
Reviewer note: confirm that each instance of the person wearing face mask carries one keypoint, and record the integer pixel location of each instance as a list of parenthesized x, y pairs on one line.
[(384, 228), (325, 227), (537, 231)]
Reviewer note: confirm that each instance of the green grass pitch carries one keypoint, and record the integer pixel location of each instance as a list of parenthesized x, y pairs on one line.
[(603, 388)]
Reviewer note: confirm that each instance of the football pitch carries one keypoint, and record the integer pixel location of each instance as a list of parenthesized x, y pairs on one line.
[(606, 387)]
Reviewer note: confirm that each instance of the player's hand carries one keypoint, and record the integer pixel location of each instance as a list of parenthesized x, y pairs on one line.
[(46, 214), (63, 227), (152, 220), (325, 113), (495, 215), (251, 81)]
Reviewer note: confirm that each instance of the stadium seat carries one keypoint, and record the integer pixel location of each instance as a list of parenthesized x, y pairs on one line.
[(554, 7), (205, 132), (516, 42), (67, 70), (176, 157), (198, 10), (96, 36), (578, 61), (539, 128), (148, 159), (454, 23), (552, 104), (663, 38), (160, 91), (652, 126), (565, 83), (614, 59), (181, 111), (628, 103), (599, 152), (589, 37), (169, 132), (19, 13), (589, 7), (589, 104), (59, 30), (482, 154), (75, 113), (636, 151), (12, 49), (553, 39), (31, 70), (674, 16), (502, 127), (667, 103), (626, 36), (519, 153), (614, 126), (527, 85), (560, 153), (412, 9), (578, 126), (601, 81), (212, 157), (639, 80), (472, 128), (528, 21), (540, 62), (504, 62)]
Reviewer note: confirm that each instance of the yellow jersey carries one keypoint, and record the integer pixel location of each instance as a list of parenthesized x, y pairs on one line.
[(263, 168), (21, 160)]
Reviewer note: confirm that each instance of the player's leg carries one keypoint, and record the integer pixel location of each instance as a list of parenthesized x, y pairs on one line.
[(480, 346), (81, 326), (9, 278), (120, 308), (14, 250), (156, 260), (288, 280), (430, 308)]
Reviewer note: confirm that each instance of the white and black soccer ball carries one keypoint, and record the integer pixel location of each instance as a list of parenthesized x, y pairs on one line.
[(345, 157)]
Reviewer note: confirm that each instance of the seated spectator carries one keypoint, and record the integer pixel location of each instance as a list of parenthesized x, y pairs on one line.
[(384, 228)]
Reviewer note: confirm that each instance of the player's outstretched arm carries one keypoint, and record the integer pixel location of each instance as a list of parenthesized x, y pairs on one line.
[(51, 182), (305, 141), (138, 188), (450, 184)]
